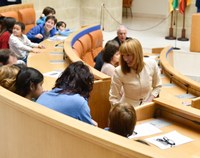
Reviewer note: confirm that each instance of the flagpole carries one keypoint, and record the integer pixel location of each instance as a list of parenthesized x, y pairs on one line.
[(176, 20), (171, 36), (183, 38)]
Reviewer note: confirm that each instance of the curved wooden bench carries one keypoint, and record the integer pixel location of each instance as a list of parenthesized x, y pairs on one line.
[(72, 55), (186, 83)]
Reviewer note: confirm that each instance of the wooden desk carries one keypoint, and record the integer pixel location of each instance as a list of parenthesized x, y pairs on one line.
[(49, 59), (26, 125), (184, 120)]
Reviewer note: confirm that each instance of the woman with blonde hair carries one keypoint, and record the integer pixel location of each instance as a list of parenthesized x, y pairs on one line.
[(139, 77), (8, 75)]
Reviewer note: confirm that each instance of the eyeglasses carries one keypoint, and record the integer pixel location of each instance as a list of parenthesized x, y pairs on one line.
[(166, 141)]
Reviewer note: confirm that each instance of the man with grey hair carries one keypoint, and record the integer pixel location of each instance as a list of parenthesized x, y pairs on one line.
[(121, 34), (121, 37)]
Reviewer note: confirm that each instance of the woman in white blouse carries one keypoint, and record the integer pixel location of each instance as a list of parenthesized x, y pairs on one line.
[(110, 57), (138, 77)]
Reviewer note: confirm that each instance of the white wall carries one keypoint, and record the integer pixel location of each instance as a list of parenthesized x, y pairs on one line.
[(151, 8), (77, 13)]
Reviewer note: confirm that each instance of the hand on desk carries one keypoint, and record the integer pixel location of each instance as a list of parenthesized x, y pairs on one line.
[(41, 46), (95, 123), (35, 50), (40, 36)]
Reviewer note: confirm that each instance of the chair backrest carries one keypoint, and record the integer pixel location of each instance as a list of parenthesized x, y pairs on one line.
[(87, 49), (12, 14), (127, 3), (97, 42), (78, 48), (27, 16)]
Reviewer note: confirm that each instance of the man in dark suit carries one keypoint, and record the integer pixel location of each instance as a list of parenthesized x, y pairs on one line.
[(198, 5), (120, 38), (121, 34)]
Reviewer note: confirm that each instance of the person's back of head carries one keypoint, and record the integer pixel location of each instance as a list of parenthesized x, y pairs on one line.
[(76, 79), (27, 82), (2, 24), (9, 23), (7, 57), (48, 11), (8, 75), (122, 119)]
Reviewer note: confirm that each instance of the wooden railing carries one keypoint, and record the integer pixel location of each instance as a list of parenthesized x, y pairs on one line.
[(186, 83)]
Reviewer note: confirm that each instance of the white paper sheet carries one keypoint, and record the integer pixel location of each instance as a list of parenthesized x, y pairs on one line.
[(173, 136), (54, 74), (144, 130)]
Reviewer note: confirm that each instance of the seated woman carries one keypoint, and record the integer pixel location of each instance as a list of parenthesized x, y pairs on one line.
[(29, 83), (110, 57), (43, 31), (6, 26), (71, 92), (122, 119), (7, 57), (8, 75)]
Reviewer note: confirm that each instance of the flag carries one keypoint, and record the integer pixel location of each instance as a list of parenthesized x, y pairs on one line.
[(183, 4), (173, 4)]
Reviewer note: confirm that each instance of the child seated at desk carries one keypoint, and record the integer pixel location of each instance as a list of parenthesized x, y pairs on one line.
[(122, 119), (8, 75), (8, 58), (61, 29), (29, 83), (20, 44), (47, 11)]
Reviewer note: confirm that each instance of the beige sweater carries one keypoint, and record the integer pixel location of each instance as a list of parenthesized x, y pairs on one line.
[(136, 88)]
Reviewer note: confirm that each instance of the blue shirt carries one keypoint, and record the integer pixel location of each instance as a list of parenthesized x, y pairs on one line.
[(39, 29), (72, 105), (41, 20)]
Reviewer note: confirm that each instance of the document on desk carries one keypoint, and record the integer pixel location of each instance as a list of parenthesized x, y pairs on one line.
[(57, 38), (169, 140), (144, 129), (54, 74)]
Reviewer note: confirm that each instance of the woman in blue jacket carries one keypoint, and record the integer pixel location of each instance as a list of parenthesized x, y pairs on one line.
[(43, 31), (71, 92)]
